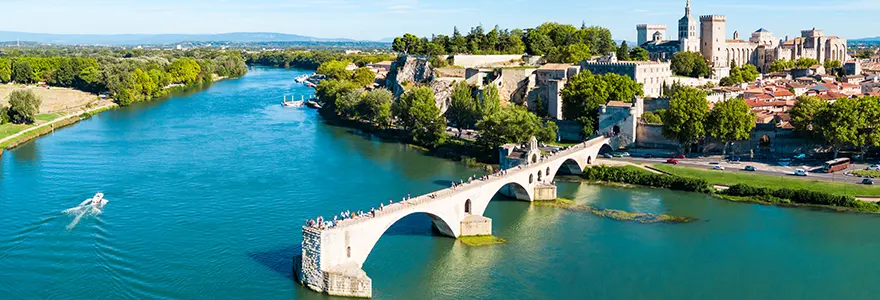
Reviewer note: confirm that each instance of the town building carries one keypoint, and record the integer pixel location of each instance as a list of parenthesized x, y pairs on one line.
[(761, 49), (651, 74)]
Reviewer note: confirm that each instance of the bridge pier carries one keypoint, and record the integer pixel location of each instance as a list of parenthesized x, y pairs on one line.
[(545, 192), (475, 225)]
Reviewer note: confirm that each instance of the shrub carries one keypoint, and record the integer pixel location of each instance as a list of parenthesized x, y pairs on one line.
[(639, 177), (802, 196)]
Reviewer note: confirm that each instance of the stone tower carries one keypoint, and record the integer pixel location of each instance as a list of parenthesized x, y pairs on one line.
[(645, 32), (713, 42), (687, 31)]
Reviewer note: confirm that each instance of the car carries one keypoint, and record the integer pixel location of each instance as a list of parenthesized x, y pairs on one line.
[(672, 161), (750, 168), (874, 168), (800, 172), (734, 158), (625, 154), (607, 155), (800, 156), (615, 154), (719, 168), (648, 155), (868, 181), (680, 156)]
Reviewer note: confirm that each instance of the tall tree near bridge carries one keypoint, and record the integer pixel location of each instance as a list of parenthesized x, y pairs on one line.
[(462, 112), (684, 120)]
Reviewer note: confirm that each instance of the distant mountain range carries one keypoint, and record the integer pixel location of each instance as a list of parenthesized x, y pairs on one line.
[(158, 39), (870, 39)]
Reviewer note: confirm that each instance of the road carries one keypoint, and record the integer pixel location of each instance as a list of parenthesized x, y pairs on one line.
[(762, 168)]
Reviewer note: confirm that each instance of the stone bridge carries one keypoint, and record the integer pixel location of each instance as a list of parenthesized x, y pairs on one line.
[(332, 256)]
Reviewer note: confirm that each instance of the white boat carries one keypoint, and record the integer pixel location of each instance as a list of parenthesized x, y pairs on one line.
[(292, 103), (302, 78), (97, 201)]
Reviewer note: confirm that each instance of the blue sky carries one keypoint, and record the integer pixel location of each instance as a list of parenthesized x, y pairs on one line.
[(376, 19)]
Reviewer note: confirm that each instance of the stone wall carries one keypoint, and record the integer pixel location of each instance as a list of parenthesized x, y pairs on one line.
[(348, 281), (472, 61), (310, 270), (514, 84), (475, 225), (650, 136)]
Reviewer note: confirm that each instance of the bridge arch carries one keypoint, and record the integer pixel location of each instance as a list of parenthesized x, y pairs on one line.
[(359, 245)]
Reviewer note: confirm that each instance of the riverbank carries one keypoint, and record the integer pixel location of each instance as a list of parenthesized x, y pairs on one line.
[(35, 131)]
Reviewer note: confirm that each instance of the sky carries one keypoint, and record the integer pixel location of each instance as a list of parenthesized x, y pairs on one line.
[(379, 19)]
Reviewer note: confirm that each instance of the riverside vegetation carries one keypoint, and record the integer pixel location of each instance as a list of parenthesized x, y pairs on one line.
[(739, 192)]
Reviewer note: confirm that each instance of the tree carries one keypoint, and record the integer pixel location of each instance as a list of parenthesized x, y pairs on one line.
[(738, 75), (841, 124), (363, 77), (335, 69), (428, 126), (805, 62), (652, 118), (639, 53), (780, 65), (803, 117), (573, 53), (184, 70), (622, 88), (4, 114), (623, 51), (491, 102), (328, 91), (684, 120), (690, 64), (401, 109), (581, 98), (832, 64), (5, 70), (23, 72), (375, 106), (869, 131), (513, 124), (462, 111), (23, 106), (407, 43), (347, 103), (458, 43), (730, 120)]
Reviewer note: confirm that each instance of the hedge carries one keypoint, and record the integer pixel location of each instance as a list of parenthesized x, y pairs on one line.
[(801, 196), (639, 177)]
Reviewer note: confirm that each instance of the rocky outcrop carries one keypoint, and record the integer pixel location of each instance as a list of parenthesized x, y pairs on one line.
[(411, 71)]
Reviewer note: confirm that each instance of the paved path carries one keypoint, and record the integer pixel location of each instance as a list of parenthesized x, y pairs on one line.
[(56, 120)]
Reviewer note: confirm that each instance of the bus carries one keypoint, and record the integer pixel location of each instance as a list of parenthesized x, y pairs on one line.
[(835, 165)]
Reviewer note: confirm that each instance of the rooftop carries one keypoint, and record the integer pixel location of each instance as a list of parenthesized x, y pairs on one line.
[(556, 67)]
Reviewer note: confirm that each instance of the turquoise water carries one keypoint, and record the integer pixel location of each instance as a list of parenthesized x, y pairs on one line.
[(207, 192)]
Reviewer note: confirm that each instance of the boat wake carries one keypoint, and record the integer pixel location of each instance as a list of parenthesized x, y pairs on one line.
[(91, 207)]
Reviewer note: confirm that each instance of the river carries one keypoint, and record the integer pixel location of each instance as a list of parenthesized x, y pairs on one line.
[(208, 192)]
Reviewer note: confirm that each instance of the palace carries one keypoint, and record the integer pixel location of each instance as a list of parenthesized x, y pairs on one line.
[(761, 49)]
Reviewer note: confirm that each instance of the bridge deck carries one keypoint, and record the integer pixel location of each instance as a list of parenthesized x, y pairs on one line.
[(447, 192)]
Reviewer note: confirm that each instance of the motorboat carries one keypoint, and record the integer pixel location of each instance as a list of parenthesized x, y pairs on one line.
[(302, 78), (97, 201), (313, 104)]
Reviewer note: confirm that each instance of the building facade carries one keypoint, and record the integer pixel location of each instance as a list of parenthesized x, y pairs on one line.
[(761, 48), (648, 32), (651, 74)]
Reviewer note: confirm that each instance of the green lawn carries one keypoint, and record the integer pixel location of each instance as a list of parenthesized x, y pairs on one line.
[(10, 129), (867, 173), (728, 178), (47, 117)]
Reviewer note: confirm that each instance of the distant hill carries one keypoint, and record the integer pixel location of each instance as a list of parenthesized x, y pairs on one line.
[(870, 39), (157, 39)]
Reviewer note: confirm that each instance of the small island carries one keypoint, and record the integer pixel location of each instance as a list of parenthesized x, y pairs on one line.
[(482, 240), (619, 215)]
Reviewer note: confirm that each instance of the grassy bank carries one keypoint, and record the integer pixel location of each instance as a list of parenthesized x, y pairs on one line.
[(767, 181), (619, 215), (44, 130), (481, 240)]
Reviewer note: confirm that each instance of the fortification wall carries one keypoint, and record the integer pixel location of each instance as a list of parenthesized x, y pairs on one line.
[(473, 61)]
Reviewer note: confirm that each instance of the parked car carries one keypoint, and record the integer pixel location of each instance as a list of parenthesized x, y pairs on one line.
[(874, 167), (734, 158), (615, 154), (625, 154), (800, 172), (868, 181), (672, 161), (750, 168), (800, 156), (680, 156), (607, 155), (719, 168)]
